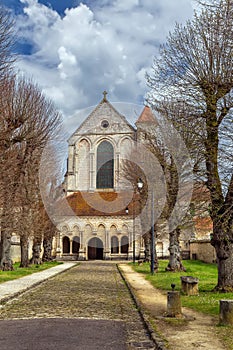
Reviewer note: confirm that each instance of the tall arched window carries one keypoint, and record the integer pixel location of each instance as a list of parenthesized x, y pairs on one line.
[(105, 165)]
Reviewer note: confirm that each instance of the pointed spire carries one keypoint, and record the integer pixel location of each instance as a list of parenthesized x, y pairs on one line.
[(146, 116)]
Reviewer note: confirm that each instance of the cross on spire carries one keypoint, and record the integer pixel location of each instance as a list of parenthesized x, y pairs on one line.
[(105, 94)]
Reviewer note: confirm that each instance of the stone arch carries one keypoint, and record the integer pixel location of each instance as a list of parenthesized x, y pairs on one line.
[(124, 244), (76, 230), (101, 230), (66, 245), (125, 149), (82, 164), (105, 165), (114, 245), (105, 138), (125, 146), (125, 230), (113, 230), (81, 139), (64, 229), (95, 249), (88, 230)]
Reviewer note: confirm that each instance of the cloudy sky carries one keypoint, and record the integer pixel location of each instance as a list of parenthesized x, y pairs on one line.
[(75, 50)]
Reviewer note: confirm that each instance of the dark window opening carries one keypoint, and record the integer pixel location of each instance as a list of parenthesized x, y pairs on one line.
[(105, 165), (66, 245), (124, 245), (75, 245), (114, 245)]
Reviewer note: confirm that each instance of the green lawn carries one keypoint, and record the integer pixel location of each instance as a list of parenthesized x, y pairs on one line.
[(207, 301), (20, 272)]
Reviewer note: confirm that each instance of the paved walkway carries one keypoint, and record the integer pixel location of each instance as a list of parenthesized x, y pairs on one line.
[(10, 289), (88, 307)]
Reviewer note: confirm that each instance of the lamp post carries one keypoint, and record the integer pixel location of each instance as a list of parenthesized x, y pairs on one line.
[(139, 187), (152, 263)]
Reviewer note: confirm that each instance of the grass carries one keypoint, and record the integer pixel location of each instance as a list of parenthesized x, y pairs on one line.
[(21, 272), (207, 301)]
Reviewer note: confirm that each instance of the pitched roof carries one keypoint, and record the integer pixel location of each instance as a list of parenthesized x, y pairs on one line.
[(103, 110), (98, 204), (146, 116)]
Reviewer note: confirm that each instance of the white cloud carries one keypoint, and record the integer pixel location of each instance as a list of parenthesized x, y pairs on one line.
[(108, 46)]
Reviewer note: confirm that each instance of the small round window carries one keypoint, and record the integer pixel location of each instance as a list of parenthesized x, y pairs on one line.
[(105, 124)]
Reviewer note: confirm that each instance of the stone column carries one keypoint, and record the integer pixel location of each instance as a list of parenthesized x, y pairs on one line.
[(81, 249), (107, 246), (71, 159), (173, 304), (58, 245), (92, 172), (117, 172)]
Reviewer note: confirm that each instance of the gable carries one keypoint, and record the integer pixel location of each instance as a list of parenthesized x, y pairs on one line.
[(104, 120)]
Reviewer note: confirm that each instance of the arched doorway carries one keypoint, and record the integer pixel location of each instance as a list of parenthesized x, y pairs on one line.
[(124, 245), (114, 245), (95, 249), (75, 245), (66, 245)]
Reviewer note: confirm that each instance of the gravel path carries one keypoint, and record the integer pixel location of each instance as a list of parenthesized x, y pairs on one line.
[(93, 290)]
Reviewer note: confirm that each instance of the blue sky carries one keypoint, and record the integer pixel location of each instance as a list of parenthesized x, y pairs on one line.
[(75, 50)]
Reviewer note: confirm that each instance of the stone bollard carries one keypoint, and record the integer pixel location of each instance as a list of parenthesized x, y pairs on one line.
[(189, 285), (173, 304), (226, 312)]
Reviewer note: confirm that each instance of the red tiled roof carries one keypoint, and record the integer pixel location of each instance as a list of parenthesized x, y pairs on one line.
[(98, 204), (146, 116), (203, 224)]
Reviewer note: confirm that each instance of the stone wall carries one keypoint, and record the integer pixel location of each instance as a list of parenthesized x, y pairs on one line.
[(202, 250), (16, 249)]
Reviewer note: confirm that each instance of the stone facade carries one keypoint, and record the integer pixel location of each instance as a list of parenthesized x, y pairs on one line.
[(202, 250), (100, 227), (96, 225)]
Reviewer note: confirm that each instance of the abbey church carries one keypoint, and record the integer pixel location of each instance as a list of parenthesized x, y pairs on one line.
[(97, 220)]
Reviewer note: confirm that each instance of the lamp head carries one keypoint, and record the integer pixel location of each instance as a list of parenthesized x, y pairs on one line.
[(173, 286), (139, 183)]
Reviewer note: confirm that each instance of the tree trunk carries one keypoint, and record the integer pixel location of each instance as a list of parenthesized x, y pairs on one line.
[(224, 252), (24, 252), (47, 245), (146, 238), (156, 260), (36, 250), (6, 262), (175, 261)]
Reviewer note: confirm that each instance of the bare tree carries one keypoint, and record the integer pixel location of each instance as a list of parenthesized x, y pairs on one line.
[(29, 121), (196, 66), (7, 41)]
